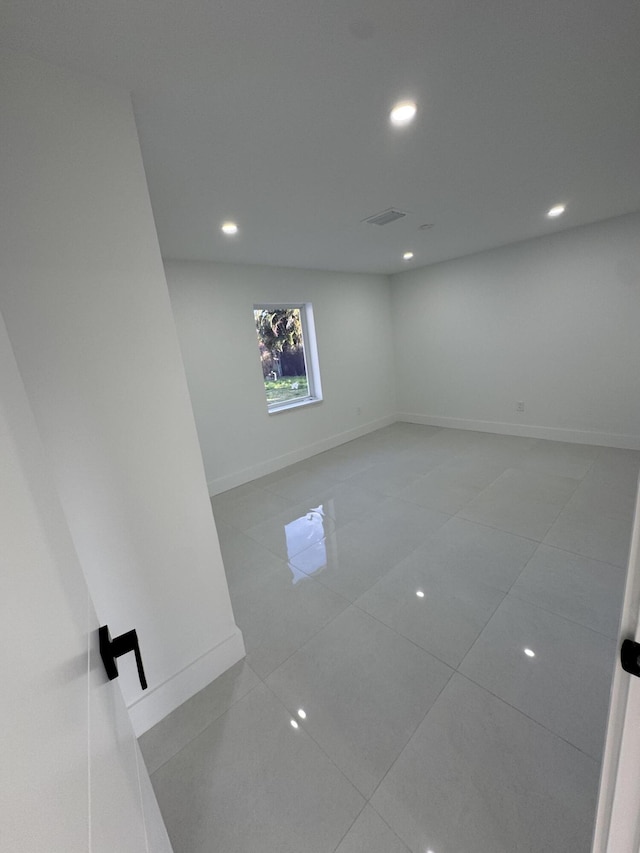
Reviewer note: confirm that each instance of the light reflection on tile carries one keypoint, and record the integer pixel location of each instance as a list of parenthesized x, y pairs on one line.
[(293, 531), (365, 690), (564, 687), (347, 562), (432, 608), (478, 774), (305, 531), (309, 562), (250, 782)]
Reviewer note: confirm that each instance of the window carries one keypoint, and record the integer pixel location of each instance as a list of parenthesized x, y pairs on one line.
[(288, 355)]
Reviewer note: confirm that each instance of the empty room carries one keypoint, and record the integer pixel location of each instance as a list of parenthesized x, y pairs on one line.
[(320, 426)]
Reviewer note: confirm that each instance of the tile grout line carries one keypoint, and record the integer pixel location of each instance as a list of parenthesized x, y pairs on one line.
[(596, 761), (366, 798), (519, 710), (211, 722), (454, 670), (497, 698), (364, 806), (301, 725), (561, 616), (584, 557), (207, 727), (537, 541), (397, 758), (409, 640), (268, 686)]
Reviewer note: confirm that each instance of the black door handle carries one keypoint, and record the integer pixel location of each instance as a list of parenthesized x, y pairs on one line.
[(110, 649), (630, 657)]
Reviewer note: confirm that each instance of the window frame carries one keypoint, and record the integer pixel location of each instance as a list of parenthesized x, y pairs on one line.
[(310, 354)]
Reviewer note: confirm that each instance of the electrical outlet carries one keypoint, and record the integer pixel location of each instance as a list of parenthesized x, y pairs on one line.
[(519, 406)]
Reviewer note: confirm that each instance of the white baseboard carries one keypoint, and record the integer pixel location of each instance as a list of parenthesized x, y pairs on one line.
[(230, 481), (155, 704), (577, 436)]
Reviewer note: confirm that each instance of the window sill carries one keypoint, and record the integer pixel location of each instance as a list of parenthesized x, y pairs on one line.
[(293, 404)]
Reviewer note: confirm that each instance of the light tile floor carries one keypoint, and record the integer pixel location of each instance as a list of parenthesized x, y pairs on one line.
[(430, 618)]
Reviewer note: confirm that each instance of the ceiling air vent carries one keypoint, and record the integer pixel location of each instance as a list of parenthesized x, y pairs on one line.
[(385, 217)]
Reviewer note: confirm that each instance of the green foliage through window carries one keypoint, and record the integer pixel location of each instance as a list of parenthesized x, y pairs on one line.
[(282, 354)]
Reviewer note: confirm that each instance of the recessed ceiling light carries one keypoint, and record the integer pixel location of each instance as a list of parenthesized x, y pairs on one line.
[(420, 593), (229, 228), (529, 653), (407, 256), (302, 713), (556, 210), (403, 113), (294, 724)]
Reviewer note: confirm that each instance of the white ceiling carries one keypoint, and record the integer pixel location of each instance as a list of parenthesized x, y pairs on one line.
[(275, 113)]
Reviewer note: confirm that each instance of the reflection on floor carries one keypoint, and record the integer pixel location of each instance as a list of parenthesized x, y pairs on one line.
[(430, 619)]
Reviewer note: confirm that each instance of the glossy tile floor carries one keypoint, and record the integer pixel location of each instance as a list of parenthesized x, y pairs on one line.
[(430, 619)]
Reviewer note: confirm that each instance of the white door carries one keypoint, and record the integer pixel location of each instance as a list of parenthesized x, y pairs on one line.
[(71, 776), (618, 819)]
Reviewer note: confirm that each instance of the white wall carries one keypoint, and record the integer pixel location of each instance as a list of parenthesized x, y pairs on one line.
[(213, 308), (554, 322), (84, 298), (70, 761)]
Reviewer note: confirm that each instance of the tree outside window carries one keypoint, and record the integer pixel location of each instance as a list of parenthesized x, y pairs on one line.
[(283, 354)]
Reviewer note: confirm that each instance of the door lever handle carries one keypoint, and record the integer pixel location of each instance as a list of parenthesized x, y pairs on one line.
[(110, 649), (630, 657)]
